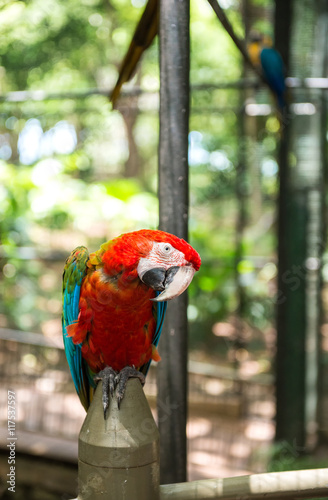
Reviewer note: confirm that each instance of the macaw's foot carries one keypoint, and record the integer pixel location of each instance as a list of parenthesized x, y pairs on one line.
[(122, 379), (108, 377)]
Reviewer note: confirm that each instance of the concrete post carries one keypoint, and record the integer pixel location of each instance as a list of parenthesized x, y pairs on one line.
[(119, 456)]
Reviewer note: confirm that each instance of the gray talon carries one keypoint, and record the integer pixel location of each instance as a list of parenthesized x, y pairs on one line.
[(108, 377), (111, 380), (122, 378)]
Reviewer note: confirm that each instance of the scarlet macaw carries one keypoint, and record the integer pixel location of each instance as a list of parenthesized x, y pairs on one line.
[(114, 303), (271, 63)]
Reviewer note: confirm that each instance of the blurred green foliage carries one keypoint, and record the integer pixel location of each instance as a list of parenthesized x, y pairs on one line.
[(284, 457), (67, 176)]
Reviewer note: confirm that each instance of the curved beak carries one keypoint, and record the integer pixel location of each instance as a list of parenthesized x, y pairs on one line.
[(176, 282)]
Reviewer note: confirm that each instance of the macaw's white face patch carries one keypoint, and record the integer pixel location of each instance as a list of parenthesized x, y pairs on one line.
[(162, 255), (166, 255), (165, 269)]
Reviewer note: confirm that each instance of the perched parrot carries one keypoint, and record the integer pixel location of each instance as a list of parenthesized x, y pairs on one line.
[(114, 303), (269, 60), (144, 34)]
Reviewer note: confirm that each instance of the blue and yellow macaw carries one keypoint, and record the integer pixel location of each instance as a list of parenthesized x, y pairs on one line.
[(263, 55)]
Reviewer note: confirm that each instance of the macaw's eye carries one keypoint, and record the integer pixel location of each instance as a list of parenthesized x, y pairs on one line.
[(164, 250)]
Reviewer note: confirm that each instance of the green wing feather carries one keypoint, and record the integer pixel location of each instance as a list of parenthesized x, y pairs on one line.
[(74, 271)]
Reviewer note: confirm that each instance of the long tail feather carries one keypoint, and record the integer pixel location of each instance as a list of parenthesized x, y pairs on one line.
[(143, 36)]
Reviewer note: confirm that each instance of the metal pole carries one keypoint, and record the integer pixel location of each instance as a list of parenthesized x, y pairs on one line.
[(290, 358), (173, 199), (119, 456)]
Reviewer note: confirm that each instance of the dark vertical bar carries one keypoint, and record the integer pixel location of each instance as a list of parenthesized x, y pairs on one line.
[(300, 232), (323, 354), (173, 200), (241, 195), (291, 320), (317, 386), (282, 29), (290, 358)]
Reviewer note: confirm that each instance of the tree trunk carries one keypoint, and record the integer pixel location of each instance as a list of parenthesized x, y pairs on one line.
[(133, 163)]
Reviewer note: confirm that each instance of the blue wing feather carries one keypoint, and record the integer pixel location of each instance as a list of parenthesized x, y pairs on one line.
[(273, 70), (74, 272), (161, 311), (160, 315)]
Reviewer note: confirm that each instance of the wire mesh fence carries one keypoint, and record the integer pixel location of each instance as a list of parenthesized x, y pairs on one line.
[(230, 425)]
